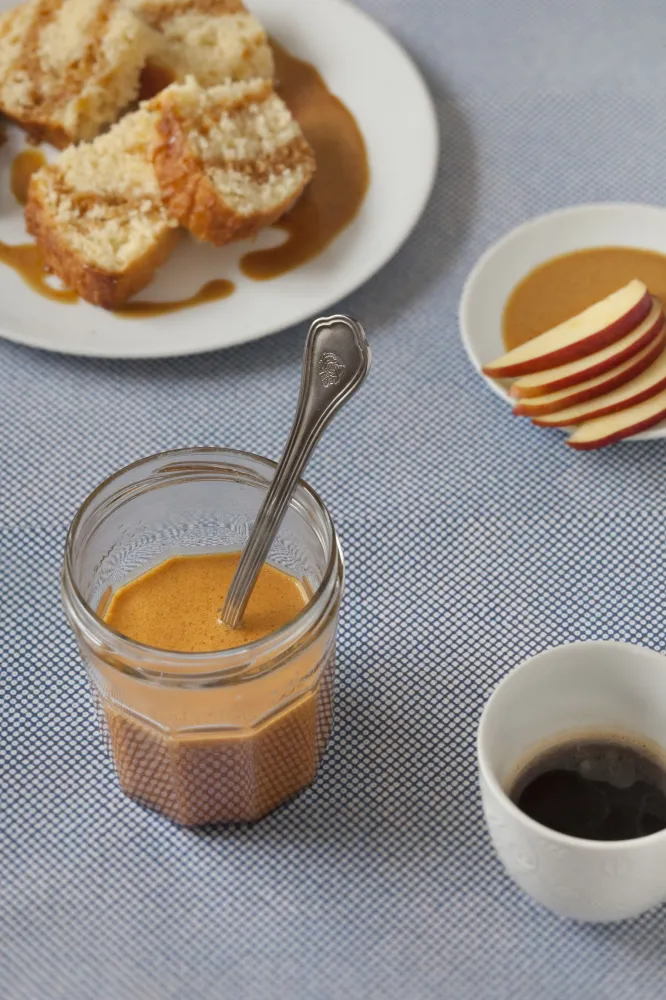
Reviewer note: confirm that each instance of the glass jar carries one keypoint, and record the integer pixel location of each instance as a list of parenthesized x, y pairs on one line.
[(205, 737)]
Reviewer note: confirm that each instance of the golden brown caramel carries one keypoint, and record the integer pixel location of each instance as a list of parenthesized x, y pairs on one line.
[(564, 286)]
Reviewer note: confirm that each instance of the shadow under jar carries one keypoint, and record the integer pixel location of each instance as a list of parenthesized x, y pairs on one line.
[(205, 737)]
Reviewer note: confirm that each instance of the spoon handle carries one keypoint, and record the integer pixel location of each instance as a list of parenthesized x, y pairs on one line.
[(336, 360)]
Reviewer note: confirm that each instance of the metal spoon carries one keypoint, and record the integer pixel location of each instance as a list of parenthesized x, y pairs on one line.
[(336, 360)]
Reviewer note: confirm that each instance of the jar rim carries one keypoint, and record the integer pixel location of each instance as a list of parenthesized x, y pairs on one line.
[(213, 663)]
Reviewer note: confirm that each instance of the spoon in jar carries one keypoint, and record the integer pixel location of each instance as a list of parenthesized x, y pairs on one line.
[(336, 360)]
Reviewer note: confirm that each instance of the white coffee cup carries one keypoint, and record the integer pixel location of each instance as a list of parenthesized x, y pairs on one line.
[(585, 688)]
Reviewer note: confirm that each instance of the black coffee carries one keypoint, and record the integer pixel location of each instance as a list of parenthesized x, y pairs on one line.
[(599, 789)]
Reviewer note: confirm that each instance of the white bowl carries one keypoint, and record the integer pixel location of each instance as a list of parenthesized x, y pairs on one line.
[(500, 268), (583, 687)]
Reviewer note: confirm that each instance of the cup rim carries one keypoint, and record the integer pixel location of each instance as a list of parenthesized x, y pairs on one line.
[(486, 771), (212, 664)]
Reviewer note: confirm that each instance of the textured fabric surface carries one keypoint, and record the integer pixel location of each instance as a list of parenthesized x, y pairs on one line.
[(471, 541)]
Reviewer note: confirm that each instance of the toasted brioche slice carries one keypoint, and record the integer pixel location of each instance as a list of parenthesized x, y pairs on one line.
[(69, 67), (212, 40), (98, 216), (229, 160)]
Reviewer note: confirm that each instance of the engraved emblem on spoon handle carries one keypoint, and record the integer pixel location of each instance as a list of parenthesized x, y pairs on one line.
[(336, 360)]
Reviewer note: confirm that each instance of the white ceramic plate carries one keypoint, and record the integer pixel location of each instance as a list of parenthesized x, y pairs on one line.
[(501, 267), (369, 71)]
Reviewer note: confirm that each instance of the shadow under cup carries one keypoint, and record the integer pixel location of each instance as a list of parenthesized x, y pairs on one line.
[(206, 737)]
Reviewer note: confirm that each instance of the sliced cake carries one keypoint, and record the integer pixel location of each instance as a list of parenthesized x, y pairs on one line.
[(68, 68), (98, 215), (212, 40), (230, 159)]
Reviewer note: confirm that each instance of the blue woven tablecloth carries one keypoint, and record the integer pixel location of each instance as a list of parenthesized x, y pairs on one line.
[(471, 540)]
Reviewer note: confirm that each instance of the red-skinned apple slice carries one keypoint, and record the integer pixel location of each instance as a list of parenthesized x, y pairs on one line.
[(649, 383), (624, 423), (599, 386), (589, 331), (554, 379)]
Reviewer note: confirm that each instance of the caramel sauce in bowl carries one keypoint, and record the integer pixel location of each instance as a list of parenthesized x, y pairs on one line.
[(563, 286), (551, 268)]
